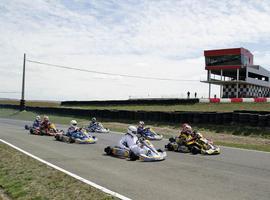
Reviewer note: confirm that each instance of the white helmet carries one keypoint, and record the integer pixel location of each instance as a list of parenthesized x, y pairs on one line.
[(73, 123), (132, 130), (141, 123), (38, 118)]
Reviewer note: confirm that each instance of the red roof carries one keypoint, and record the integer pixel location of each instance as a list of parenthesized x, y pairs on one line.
[(233, 51)]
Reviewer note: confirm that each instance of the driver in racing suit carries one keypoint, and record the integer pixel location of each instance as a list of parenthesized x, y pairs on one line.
[(73, 128), (45, 124), (93, 122), (188, 133), (37, 122), (143, 131), (131, 142)]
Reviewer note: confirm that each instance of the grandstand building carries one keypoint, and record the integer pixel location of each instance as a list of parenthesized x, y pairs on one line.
[(234, 71)]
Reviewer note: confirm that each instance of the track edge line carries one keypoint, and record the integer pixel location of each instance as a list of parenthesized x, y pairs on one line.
[(103, 189)]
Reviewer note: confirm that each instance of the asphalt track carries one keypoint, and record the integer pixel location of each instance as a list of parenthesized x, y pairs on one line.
[(235, 174)]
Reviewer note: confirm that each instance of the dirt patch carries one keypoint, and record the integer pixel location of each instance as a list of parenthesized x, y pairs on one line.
[(3, 195), (169, 131)]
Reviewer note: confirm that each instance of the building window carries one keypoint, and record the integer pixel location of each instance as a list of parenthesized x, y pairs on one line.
[(223, 60)]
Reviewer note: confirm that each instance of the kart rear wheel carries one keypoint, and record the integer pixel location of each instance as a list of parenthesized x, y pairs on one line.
[(172, 139), (71, 140), (57, 137), (195, 150), (133, 156), (169, 147), (108, 150)]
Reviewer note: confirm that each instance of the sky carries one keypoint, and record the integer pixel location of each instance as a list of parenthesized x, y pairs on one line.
[(157, 38)]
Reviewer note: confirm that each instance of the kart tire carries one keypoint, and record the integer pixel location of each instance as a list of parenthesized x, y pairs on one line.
[(108, 150), (183, 149), (172, 139), (31, 131), (195, 150), (169, 147), (26, 127), (133, 156), (159, 150), (71, 140), (57, 137)]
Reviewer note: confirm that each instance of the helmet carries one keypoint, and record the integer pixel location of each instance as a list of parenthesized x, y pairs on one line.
[(186, 127), (73, 123), (46, 118), (141, 123), (132, 130), (38, 117), (94, 119)]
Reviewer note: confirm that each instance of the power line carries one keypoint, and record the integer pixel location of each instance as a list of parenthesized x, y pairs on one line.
[(111, 74), (9, 92)]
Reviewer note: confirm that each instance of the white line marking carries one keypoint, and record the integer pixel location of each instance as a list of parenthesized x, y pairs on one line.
[(103, 189)]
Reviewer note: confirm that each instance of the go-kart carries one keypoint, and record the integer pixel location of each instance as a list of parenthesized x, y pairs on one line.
[(32, 129), (150, 134), (80, 137), (98, 128), (193, 145), (150, 155), (50, 131)]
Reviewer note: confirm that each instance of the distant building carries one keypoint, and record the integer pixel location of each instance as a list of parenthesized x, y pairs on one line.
[(234, 71)]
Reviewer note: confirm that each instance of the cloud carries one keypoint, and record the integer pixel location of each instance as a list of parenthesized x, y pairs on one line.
[(147, 38)]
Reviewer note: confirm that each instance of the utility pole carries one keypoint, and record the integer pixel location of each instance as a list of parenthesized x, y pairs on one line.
[(22, 102)]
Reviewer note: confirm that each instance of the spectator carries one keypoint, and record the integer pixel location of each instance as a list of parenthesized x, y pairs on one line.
[(195, 95), (188, 94)]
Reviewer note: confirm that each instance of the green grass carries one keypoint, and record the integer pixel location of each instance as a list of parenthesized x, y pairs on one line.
[(201, 107), (22, 177), (32, 103), (245, 146), (244, 136)]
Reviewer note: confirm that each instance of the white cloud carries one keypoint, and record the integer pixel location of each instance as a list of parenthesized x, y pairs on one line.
[(147, 38)]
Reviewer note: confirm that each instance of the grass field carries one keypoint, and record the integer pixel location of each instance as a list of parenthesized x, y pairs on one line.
[(213, 107), (22, 177), (32, 103)]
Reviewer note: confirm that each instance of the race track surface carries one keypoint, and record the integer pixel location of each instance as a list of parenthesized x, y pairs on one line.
[(235, 174)]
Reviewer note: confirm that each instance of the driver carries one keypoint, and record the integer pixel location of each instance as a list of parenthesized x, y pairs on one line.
[(140, 129), (45, 124), (37, 122), (188, 133), (93, 122), (131, 142), (73, 128), (143, 131)]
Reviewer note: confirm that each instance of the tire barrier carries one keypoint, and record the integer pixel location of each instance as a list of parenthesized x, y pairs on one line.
[(149, 101), (249, 118), (244, 118), (235, 100)]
